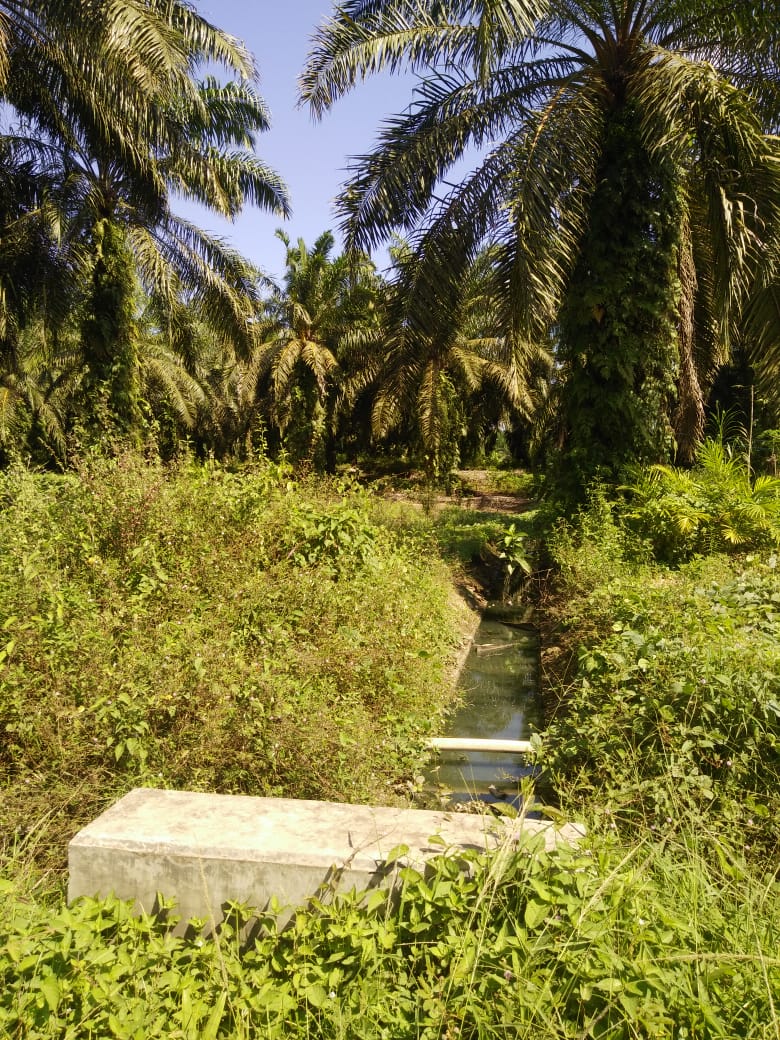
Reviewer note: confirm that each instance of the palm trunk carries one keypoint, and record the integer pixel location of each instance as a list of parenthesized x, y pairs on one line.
[(109, 332), (688, 418), (617, 326)]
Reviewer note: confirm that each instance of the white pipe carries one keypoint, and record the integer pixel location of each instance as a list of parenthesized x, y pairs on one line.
[(514, 747)]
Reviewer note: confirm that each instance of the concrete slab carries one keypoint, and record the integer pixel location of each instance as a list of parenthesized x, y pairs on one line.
[(203, 849)]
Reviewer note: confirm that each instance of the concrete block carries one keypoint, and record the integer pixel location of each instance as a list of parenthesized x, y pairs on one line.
[(203, 849)]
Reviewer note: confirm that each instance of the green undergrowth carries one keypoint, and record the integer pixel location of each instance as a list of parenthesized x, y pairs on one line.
[(673, 711), (497, 482), (306, 622), (193, 627), (719, 505), (597, 941), (464, 533)]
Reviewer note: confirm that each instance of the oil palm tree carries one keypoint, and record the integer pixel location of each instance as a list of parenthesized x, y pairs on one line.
[(107, 182), (626, 180), (96, 72), (324, 307), (126, 238), (441, 355), (37, 382)]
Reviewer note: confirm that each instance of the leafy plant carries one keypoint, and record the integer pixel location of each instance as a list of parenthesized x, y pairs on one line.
[(341, 537), (512, 551), (715, 507), (180, 626), (598, 188), (767, 449), (673, 713), (594, 940)]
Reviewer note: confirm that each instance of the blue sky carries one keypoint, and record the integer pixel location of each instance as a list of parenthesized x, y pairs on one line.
[(310, 157)]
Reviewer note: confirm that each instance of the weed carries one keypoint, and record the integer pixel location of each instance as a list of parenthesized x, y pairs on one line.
[(601, 940)]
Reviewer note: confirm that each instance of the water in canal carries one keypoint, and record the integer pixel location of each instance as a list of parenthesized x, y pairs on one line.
[(500, 684)]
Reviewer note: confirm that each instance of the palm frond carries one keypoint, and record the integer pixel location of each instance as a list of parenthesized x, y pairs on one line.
[(359, 41)]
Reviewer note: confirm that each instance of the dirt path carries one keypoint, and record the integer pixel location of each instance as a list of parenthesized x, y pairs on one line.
[(477, 494)]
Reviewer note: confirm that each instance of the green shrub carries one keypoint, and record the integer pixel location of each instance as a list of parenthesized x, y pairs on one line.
[(199, 628), (340, 537), (242, 632), (766, 449), (675, 710), (594, 547), (718, 506)]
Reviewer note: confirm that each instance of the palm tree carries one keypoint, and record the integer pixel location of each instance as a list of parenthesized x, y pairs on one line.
[(324, 308), (37, 382), (122, 234), (626, 181), (92, 71), (440, 358), (108, 182)]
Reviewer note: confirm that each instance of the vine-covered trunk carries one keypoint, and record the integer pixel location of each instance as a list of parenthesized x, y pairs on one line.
[(618, 337), (109, 331)]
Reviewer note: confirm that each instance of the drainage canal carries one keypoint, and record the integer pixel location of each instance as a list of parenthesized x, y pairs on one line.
[(500, 685)]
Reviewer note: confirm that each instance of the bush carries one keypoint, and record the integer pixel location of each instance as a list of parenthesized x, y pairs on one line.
[(598, 941), (674, 713), (197, 628), (718, 506)]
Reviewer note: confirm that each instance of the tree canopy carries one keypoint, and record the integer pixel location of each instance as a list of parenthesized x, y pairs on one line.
[(628, 183), (108, 117)]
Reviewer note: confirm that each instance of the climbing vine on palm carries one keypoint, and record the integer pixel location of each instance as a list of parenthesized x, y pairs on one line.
[(618, 325)]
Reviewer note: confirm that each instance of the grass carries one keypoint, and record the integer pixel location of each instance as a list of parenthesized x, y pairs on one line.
[(672, 711), (606, 940), (463, 533), (491, 481)]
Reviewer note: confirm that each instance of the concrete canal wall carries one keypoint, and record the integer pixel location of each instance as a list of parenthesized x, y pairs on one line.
[(204, 849)]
